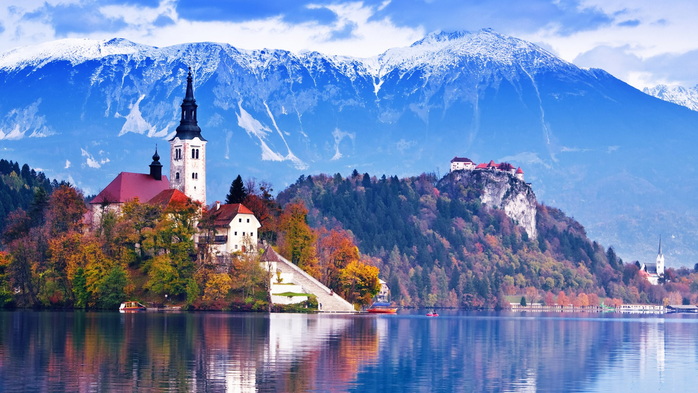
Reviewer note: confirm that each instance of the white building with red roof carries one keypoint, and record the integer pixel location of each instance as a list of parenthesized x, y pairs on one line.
[(459, 163), (462, 163), (126, 187), (234, 226)]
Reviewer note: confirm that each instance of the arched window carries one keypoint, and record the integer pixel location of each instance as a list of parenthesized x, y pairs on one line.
[(197, 154), (177, 176)]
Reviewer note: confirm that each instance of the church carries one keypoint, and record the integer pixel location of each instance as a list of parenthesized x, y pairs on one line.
[(187, 181), (654, 271)]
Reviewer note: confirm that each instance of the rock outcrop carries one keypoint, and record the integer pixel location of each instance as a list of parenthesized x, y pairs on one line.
[(500, 190)]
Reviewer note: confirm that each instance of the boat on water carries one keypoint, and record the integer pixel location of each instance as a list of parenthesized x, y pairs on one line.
[(432, 314), (382, 308), (131, 307)]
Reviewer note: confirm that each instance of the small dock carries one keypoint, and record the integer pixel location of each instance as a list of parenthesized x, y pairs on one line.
[(676, 308)]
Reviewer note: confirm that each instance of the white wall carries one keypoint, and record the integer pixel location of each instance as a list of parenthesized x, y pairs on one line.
[(186, 166)]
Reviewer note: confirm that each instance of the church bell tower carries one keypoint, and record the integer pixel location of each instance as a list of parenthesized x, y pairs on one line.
[(188, 151), (660, 259)]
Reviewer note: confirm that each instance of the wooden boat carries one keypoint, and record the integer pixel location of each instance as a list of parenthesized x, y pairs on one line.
[(382, 308), (131, 307)]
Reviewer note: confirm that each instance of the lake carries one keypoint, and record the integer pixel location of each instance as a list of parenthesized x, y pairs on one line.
[(458, 351)]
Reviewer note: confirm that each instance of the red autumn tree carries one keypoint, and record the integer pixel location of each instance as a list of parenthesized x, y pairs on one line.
[(335, 251)]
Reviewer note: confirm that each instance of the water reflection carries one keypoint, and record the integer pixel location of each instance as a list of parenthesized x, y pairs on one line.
[(66, 351)]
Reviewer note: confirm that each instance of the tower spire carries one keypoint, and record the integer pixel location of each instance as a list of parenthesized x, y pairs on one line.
[(156, 166), (188, 125), (660, 245)]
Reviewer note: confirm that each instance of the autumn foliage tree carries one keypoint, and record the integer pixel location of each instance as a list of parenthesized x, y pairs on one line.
[(359, 282), (297, 239), (336, 251)]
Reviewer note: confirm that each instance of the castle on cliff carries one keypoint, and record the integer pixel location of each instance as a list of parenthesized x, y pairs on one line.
[(462, 163)]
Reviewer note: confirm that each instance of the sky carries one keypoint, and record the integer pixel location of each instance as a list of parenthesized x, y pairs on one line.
[(643, 42)]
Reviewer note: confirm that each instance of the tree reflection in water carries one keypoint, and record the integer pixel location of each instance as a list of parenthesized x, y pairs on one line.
[(77, 351)]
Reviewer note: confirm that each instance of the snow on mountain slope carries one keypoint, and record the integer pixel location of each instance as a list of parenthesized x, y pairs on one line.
[(679, 95), (274, 115)]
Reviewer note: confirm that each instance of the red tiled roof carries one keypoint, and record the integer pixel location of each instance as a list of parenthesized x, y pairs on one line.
[(481, 166), (226, 213), (519, 171), (169, 197), (461, 159), (491, 164), (505, 166), (128, 186)]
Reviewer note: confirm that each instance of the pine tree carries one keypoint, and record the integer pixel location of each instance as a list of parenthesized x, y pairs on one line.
[(238, 192)]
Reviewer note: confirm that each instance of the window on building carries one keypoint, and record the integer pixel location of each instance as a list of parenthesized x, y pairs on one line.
[(236, 246), (243, 234), (248, 220), (177, 176), (197, 154), (236, 233), (240, 220)]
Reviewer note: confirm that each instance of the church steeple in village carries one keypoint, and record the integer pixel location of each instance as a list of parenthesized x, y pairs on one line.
[(660, 259), (188, 150)]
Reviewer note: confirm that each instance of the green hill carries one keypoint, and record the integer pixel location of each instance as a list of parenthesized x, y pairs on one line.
[(437, 244)]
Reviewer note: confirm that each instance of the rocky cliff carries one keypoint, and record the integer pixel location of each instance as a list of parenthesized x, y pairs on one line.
[(500, 190)]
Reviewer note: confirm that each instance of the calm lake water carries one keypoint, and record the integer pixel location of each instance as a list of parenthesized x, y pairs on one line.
[(458, 351)]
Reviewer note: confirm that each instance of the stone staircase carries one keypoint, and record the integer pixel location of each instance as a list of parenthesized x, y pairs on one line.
[(330, 303)]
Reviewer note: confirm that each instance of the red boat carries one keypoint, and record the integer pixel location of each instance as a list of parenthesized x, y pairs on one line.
[(382, 308), (131, 307), (432, 314)]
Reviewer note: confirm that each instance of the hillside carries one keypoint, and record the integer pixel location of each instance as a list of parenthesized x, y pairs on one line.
[(18, 186), (592, 145), (437, 244)]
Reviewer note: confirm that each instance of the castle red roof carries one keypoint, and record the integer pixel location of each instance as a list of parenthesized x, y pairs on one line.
[(226, 213), (461, 159), (169, 198), (505, 166), (492, 164), (519, 171), (128, 186), (481, 166)]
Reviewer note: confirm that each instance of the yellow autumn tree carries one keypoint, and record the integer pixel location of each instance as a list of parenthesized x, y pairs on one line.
[(359, 282), (297, 240), (217, 287)]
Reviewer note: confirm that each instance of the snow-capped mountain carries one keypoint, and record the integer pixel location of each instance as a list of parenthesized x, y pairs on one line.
[(615, 158), (684, 96)]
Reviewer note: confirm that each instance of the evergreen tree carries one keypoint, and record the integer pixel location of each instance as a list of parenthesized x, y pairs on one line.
[(238, 192), (523, 301)]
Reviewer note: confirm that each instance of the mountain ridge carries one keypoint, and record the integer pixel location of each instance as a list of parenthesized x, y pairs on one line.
[(275, 115)]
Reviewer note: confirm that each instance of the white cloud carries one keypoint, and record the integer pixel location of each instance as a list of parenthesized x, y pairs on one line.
[(67, 164)]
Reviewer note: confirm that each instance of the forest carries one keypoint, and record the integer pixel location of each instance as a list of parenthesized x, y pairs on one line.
[(432, 241), (437, 245), (153, 253)]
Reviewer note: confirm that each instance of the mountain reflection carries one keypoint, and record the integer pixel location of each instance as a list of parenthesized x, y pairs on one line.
[(76, 351)]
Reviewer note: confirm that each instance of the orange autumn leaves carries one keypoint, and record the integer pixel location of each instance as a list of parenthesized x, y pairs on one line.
[(330, 256)]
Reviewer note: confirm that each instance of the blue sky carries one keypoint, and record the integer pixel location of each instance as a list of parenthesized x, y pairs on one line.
[(642, 42)]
